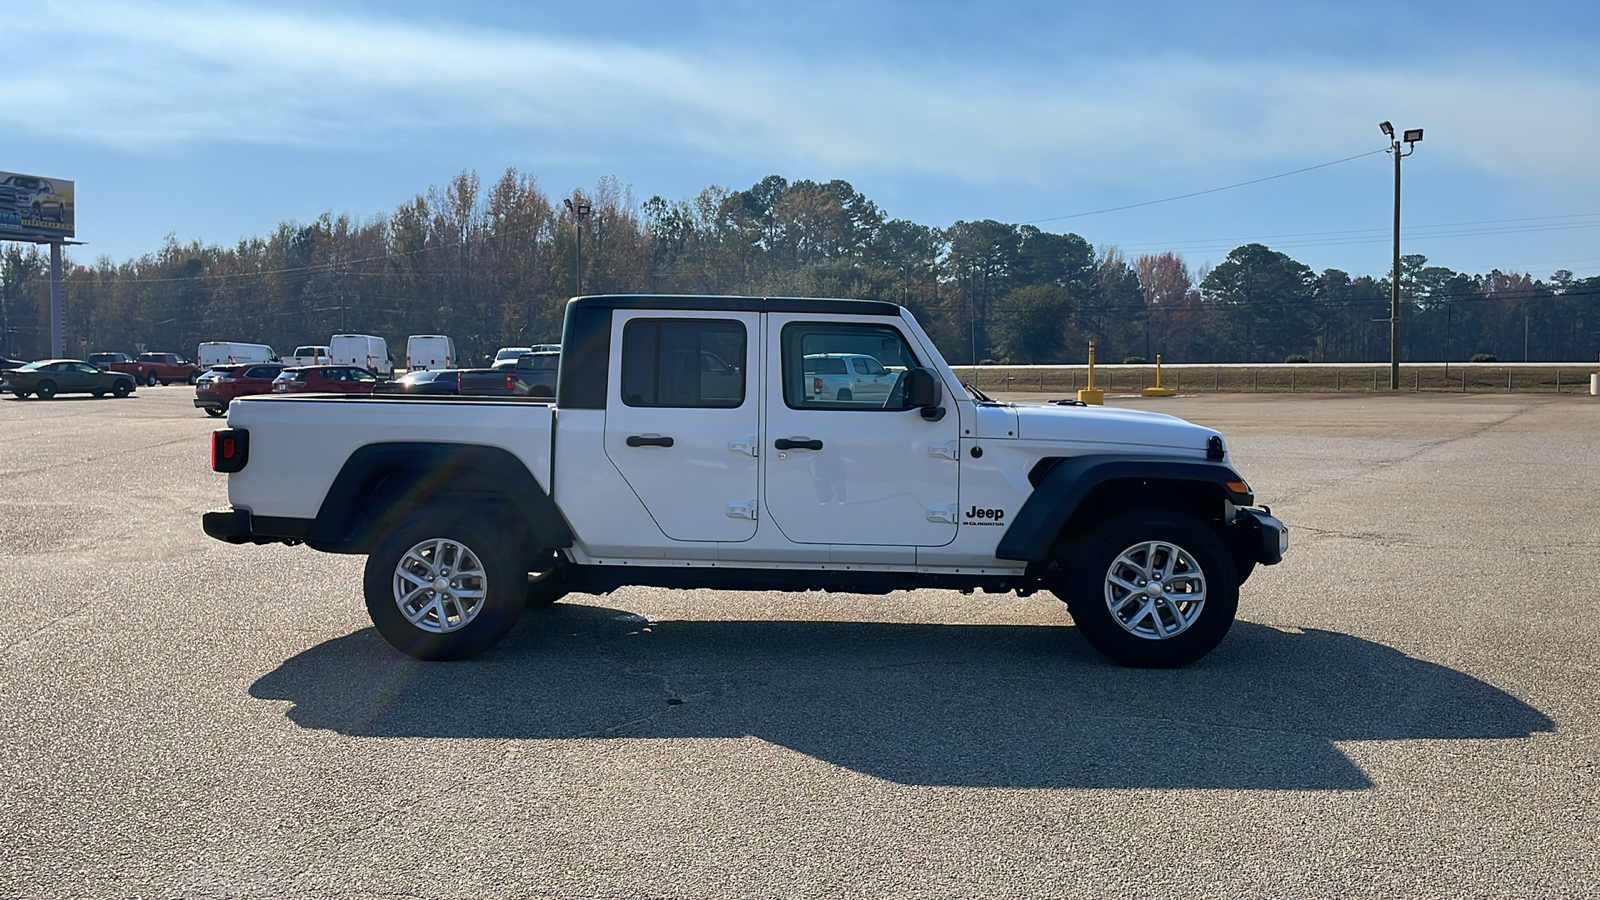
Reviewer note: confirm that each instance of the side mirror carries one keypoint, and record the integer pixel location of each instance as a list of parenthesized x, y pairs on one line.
[(925, 391)]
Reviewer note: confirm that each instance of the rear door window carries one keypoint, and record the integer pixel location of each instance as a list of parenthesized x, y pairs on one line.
[(663, 363)]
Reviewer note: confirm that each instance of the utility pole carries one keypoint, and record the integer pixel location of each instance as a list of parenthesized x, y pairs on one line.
[(579, 212), (1411, 136)]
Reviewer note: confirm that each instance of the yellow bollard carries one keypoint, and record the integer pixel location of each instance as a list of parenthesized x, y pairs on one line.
[(1158, 390), (1090, 395)]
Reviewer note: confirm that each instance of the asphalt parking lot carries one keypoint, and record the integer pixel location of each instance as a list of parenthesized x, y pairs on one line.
[(1407, 706)]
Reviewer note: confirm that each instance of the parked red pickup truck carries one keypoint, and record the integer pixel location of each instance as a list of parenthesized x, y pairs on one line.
[(166, 368)]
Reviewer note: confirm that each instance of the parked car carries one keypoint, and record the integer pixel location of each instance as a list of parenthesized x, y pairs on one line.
[(310, 355), (480, 382), (430, 351), (848, 377), (109, 361), (324, 380), (364, 350), (215, 389), (536, 373), (228, 353), (49, 377)]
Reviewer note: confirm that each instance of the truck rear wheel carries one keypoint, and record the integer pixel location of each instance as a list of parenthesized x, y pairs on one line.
[(442, 586), (1152, 588)]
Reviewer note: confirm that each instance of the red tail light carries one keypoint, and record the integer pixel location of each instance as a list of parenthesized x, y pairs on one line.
[(509, 382), (816, 385), (230, 449)]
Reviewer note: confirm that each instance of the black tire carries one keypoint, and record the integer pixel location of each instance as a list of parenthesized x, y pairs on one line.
[(121, 388), (215, 412), (21, 395), (45, 390), (845, 395), (97, 394), (1145, 537), (194, 376), (503, 581), (150, 378)]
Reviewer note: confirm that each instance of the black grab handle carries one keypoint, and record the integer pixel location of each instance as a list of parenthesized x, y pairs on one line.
[(786, 444), (640, 440)]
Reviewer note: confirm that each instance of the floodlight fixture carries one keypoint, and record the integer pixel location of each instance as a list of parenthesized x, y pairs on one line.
[(1412, 135), (1386, 128)]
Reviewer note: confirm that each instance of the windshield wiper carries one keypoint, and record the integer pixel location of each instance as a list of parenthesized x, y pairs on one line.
[(977, 394)]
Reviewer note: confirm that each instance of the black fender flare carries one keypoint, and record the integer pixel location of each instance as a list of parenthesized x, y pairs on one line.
[(381, 481), (1062, 484)]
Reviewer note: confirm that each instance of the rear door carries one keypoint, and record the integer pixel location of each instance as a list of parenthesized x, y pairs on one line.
[(681, 421)]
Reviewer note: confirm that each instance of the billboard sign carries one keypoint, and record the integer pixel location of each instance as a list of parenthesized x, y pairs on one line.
[(34, 208)]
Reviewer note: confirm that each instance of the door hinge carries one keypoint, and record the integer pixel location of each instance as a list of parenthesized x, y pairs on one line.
[(747, 446), (946, 450), (943, 513), (746, 509)]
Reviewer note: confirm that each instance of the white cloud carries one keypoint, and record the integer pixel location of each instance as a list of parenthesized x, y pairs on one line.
[(144, 75)]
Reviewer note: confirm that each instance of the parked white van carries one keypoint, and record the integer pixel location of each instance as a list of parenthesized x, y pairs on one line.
[(222, 353), (364, 350), (425, 352)]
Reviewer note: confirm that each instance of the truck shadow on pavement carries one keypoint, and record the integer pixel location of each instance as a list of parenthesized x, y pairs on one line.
[(948, 705)]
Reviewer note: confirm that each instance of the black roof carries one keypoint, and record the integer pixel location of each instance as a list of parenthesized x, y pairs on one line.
[(736, 304)]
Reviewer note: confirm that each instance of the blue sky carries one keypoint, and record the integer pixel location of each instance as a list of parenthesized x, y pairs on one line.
[(215, 121)]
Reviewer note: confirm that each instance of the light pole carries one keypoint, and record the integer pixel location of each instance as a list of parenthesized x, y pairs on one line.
[(579, 212), (1410, 137)]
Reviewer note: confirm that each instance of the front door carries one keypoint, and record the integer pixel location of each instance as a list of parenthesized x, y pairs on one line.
[(844, 468), (681, 421)]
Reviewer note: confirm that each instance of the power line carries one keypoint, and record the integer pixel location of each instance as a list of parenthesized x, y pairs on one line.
[(1227, 187)]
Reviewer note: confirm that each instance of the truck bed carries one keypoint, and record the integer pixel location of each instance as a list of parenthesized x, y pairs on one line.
[(285, 480)]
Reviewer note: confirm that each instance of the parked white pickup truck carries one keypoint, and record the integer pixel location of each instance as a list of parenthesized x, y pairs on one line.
[(650, 469)]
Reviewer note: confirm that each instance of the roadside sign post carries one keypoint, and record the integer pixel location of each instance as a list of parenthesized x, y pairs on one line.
[(56, 350)]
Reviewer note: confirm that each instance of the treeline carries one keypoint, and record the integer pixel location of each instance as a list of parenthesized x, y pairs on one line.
[(494, 266)]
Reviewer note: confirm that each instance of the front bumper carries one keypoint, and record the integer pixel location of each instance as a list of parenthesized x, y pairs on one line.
[(1271, 536)]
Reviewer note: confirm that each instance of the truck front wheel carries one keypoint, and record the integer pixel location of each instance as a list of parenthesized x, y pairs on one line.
[(1152, 588), (441, 586)]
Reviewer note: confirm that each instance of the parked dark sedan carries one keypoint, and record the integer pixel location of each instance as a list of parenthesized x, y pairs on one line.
[(477, 382), (49, 377)]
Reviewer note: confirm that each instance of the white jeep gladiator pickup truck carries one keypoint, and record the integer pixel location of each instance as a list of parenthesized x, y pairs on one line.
[(649, 468)]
